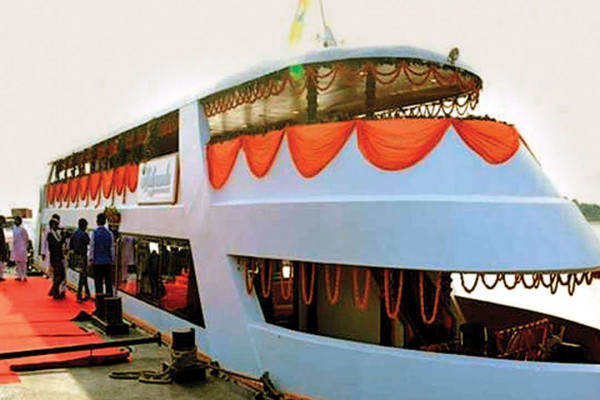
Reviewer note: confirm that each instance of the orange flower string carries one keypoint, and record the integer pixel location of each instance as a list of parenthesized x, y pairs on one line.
[(335, 297), (248, 276), (462, 282), (286, 293), (488, 286), (386, 284), (265, 287), (359, 303), (436, 302), (307, 298)]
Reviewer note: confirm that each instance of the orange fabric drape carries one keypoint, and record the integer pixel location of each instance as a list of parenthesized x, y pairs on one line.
[(64, 191), (397, 144), (73, 189), (132, 177), (312, 147), (221, 160), (391, 145), (495, 142), (107, 182), (83, 186), (119, 179), (94, 184), (49, 194), (261, 150)]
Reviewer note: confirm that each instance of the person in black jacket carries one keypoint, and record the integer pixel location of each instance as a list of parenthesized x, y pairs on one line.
[(55, 248), (3, 250)]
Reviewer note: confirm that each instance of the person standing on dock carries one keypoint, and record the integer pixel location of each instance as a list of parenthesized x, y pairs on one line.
[(79, 245), (3, 250), (55, 250), (102, 255), (20, 245), (45, 252)]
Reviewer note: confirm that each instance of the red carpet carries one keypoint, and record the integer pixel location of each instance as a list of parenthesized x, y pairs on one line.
[(29, 319)]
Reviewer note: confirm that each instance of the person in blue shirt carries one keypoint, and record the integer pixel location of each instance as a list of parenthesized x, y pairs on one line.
[(79, 246), (102, 255)]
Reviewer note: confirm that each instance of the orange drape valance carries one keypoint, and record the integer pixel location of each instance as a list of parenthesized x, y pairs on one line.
[(107, 182), (64, 191), (94, 185), (119, 178), (83, 186), (221, 159), (132, 177), (391, 145), (312, 147), (261, 151), (495, 142), (396, 144), (73, 189), (49, 194)]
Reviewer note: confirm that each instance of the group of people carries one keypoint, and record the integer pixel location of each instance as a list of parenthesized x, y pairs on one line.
[(96, 250), (19, 251)]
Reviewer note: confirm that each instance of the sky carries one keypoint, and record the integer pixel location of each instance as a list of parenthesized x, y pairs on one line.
[(74, 71)]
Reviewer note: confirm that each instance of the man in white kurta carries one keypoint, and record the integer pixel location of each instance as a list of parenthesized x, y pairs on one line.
[(19, 251)]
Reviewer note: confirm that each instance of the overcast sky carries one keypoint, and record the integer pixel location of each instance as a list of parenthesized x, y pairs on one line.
[(72, 71)]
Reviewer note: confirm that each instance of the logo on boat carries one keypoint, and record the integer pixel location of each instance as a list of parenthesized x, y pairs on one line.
[(158, 181)]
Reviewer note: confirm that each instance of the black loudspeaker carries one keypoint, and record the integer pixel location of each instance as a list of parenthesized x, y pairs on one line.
[(473, 338)]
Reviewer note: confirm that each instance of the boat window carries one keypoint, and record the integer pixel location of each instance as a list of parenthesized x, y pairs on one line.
[(159, 271), (417, 310)]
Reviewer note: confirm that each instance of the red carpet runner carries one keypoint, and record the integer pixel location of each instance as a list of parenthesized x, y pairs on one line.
[(29, 319)]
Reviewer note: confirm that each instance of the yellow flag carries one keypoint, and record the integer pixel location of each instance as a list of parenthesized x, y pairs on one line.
[(298, 24)]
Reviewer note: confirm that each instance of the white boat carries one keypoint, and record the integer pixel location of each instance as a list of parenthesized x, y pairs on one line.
[(279, 212)]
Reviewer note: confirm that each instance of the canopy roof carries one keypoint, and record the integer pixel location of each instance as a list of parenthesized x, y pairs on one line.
[(338, 84)]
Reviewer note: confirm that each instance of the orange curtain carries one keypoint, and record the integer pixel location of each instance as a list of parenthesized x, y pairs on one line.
[(107, 182), (494, 141), (94, 184), (73, 189), (83, 186), (261, 150), (396, 144), (221, 159), (132, 177), (119, 178), (312, 147)]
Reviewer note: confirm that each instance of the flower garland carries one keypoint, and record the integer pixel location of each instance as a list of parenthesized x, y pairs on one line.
[(307, 298), (549, 281), (361, 303), (286, 288), (265, 286), (248, 275), (335, 297), (393, 315), (436, 302)]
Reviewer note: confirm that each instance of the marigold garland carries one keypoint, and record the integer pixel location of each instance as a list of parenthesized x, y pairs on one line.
[(393, 315), (335, 297), (248, 276), (307, 298), (286, 293), (266, 292), (436, 302), (361, 303)]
